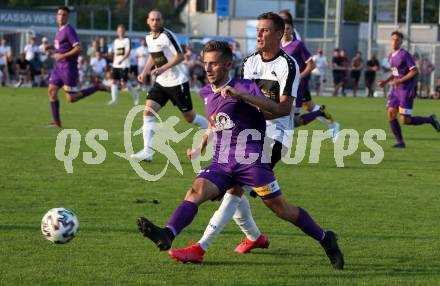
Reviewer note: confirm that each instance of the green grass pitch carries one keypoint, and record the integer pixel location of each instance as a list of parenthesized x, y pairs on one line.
[(386, 215)]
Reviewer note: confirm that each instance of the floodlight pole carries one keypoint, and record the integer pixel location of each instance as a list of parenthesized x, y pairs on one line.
[(408, 23), (370, 29), (338, 22), (130, 18), (396, 15), (306, 19), (326, 19)]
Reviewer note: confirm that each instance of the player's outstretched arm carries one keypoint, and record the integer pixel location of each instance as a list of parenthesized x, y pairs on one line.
[(147, 69), (175, 60), (275, 109)]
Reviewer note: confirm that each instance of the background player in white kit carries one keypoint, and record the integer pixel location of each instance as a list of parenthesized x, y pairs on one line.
[(172, 82), (121, 64)]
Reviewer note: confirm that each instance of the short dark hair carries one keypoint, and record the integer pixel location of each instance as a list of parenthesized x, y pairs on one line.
[(288, 14), (64, 8), (121, 26), (398, 34), (278, 22), (218, 46), (288, 22)]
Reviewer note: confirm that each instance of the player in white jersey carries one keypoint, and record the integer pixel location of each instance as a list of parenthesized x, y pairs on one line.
[(277, 75), (164, 62), (142, 56), (121, 64)]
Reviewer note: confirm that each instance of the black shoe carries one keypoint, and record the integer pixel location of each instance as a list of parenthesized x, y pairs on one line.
[(435, 123), (154, 233), (399, 145), (330, 245)]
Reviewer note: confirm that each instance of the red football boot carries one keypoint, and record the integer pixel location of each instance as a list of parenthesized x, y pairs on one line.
[(247, 245), (193, 253)]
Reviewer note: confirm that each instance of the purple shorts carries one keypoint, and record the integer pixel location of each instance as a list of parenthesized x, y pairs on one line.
[(65, 75), (402, 99), (301, 94), (257, 177)]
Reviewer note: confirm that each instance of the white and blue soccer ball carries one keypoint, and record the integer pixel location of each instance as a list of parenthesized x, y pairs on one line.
[(59, 225)]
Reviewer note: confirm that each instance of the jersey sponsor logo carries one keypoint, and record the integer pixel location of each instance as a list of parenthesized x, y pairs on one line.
[(270, 88), (395, 71), (120, 51), (56, 44), (221, 121), (159, 58)]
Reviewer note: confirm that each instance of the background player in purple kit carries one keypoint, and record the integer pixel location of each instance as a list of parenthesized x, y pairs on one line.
[(67, 48), (232, 107), (403, 92), (296, 49)]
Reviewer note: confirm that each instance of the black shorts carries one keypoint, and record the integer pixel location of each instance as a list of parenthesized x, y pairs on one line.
[(370, 76), (338, 77), (134, 70), (355, 75), (120, 74), (307, 96), (179, 95)]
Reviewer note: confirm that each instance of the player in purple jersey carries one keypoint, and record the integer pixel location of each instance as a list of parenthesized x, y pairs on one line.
[(233, 106), (296, 49), (65, 74), (401, 97)]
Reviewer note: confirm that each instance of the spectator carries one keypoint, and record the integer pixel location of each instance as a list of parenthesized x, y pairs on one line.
[(142, 56), (31, 50), (370, 74), (346, 64), (238, 58), (425, 69), (437, 90), (103, 49), (338, 71), (133, 71), (22, 71), (82, 71), (319, 72), (357, 65), (5, 56), (43, 50), (91, 51), (35, 69), (386, 69), (98, 67), (416, 58)]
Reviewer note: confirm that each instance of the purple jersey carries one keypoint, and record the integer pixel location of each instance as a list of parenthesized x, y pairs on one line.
[(297, 50), (65, 40), (229, 117), (401, 63)]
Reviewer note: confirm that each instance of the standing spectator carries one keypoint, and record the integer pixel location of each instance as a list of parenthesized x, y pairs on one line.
[(237, 59), (370, 74), (98, 66), (103, 49), (35, 68), (82, 70), (319, 72), (338, 71), (42, 49), (416, 58), (142, 56), (22, 70), (385, 70), (357, 64), (346, 64), (31, 50), (91, 51), (437, 90), (5, 56), (425, 70), (133, 71)]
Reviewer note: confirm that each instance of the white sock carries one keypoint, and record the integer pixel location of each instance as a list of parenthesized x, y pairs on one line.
[(321, 118), (114, 92), (148, 132), (134, 94), (220, 218), (243, 218), (200, 122)]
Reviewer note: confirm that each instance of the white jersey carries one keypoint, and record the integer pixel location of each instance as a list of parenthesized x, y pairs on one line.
[(162, 48), (30, 52), (276, 77), (321, 65), (121, 48)]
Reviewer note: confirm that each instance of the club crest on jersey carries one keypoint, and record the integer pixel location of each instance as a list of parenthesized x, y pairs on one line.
[(221, 121)]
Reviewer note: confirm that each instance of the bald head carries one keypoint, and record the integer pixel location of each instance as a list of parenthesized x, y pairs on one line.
[(155, 20)]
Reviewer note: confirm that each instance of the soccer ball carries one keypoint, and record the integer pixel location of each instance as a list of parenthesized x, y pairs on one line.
[(59, 225)]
